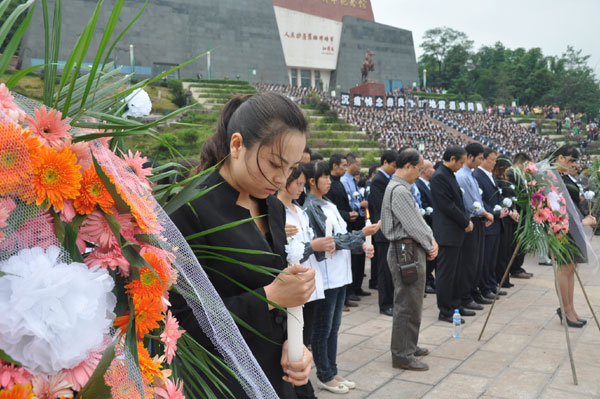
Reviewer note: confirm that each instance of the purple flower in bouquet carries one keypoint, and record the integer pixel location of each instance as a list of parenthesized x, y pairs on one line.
[(537, 199)]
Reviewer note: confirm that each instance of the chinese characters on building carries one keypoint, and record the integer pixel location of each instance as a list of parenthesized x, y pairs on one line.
[(400, 102), (348, 3)]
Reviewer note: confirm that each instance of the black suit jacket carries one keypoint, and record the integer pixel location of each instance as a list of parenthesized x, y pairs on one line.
[(491, 198), (378, 185), (337, 194), (426, 199), (450, 219)]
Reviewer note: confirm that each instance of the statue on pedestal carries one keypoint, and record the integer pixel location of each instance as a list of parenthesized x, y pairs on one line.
[(368, 65)]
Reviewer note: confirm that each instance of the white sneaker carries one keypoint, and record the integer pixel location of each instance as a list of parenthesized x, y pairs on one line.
[(348, 383), (339, 388)]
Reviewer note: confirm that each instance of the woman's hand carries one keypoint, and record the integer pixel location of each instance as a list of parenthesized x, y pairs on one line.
[(369, 250), (297, 372), (589, 221), (323, 244), (371, 229), (290, 230), (292, 287)]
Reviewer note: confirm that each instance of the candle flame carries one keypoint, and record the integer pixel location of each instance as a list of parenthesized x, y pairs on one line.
[(367, 213)]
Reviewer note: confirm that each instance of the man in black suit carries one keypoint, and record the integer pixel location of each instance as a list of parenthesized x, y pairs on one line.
[(487, 283), (427, 204), (379, 265), (337, 194), (450, 222)]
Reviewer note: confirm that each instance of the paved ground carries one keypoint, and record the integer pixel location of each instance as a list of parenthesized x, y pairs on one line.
[(523, 353)]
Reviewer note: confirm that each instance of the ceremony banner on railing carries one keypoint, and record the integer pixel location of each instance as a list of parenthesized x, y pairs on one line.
[(452, 106), (368, 101), (357, 100), (442, 104), (432, 104), (401, 102), (390, 102), (470, 106), (479, 107), (378, 101), (345, 99), (461, 106)]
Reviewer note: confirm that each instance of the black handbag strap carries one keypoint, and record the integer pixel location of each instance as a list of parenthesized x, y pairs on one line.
[(403, 259)]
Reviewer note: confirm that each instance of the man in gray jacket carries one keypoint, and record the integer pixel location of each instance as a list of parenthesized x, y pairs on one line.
[(404, 226)]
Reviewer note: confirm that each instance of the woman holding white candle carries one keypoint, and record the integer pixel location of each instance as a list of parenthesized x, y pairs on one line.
[(336, 273), (297, 223)]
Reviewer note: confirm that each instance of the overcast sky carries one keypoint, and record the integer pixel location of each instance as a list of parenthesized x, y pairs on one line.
[(549, 24)]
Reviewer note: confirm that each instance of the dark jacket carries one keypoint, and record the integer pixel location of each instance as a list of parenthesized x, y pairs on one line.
[(214, 209), (426, 200), (378, 185), (491, 198), (338, 195), (450, 219)]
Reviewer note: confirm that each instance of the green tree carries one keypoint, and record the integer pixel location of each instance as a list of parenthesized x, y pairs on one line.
[(11, 7), (437, 42)]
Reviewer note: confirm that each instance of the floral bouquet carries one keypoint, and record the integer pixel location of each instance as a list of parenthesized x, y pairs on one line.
[(87, 259), (544, 222)]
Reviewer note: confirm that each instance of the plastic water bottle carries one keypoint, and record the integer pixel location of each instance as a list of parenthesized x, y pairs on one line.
[(456, 322)]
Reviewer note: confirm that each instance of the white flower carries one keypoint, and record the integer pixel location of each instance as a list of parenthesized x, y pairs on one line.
[(553, 198), (589, 195), (499, 190), (507, 202), (462, 190), (514, 199), (497, 208), (295, 250), (356, 195), (480, 192), (512, 187), (428, 210), (422, 211), (476, 206), (53, 314)]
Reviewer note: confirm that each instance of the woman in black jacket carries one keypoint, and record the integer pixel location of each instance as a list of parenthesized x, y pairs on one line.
[(260, 138)]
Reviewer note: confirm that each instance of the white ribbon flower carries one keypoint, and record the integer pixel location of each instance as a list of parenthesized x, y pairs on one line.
[(428, 210), (497, 208), (422, 211), (589, 195), (294, 250), (507, 202), (477, 206), (53, 314)]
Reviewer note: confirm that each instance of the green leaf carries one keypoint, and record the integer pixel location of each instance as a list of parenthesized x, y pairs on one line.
[(12, 18), (8, 359), (121, 205), (71, 233), (222, 227), (14, 42), (230, 249), (14, 79), (185, 196), (131, 346), (95, 387), (59, 227)]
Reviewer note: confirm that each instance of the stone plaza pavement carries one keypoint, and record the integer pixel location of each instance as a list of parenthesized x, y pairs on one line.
[(522, 354)]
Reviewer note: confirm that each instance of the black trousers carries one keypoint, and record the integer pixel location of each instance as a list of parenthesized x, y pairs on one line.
[(358, 272), (447, 277), (471, 262), (487, 279), (307, 391), (373, 280), (504, 249), (429, 269), (385, 283)]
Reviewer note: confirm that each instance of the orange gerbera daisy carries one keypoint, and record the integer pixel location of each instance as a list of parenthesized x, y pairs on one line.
[(56, 176), (93, 192), (149, 283), (148, 312), (123, 387), (148, 366), (18, 391), (16, 146)]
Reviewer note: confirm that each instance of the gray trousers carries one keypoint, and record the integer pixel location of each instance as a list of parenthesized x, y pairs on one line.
[(408, 307)]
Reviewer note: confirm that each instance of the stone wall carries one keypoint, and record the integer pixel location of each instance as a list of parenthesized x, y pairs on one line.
[(242, 34), (394, 54)]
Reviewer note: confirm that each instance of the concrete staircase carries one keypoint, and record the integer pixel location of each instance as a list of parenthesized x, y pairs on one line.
[(212, 95)]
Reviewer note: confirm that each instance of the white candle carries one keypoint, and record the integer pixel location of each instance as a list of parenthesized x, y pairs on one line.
[(368, 238), (295, 326), (328, 232)]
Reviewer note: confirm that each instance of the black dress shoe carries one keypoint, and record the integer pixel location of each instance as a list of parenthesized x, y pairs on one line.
[(362, 293), (507, 285), (466, 312), (429, 289), (372, 286), (353, 297), (473, 306), (387, 312), (489, 295), (502, 293), (351, 304), (448, 319), (577, 324), (482, 301)]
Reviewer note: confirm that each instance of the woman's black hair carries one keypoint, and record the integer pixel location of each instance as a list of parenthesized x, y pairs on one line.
[(315, 170), (566, 151), (260, 119), (502, 165), (298, 170)]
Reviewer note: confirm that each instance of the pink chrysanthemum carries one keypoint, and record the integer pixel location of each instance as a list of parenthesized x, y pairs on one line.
[(109, 258), (35, 232), (172, 390), (4, 214), (136, 163), (81, 151), (49, 126), (51, 388), (95, 229), (68, 212), (9, 111), (79, 375), (170, 335), (11, 375)]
